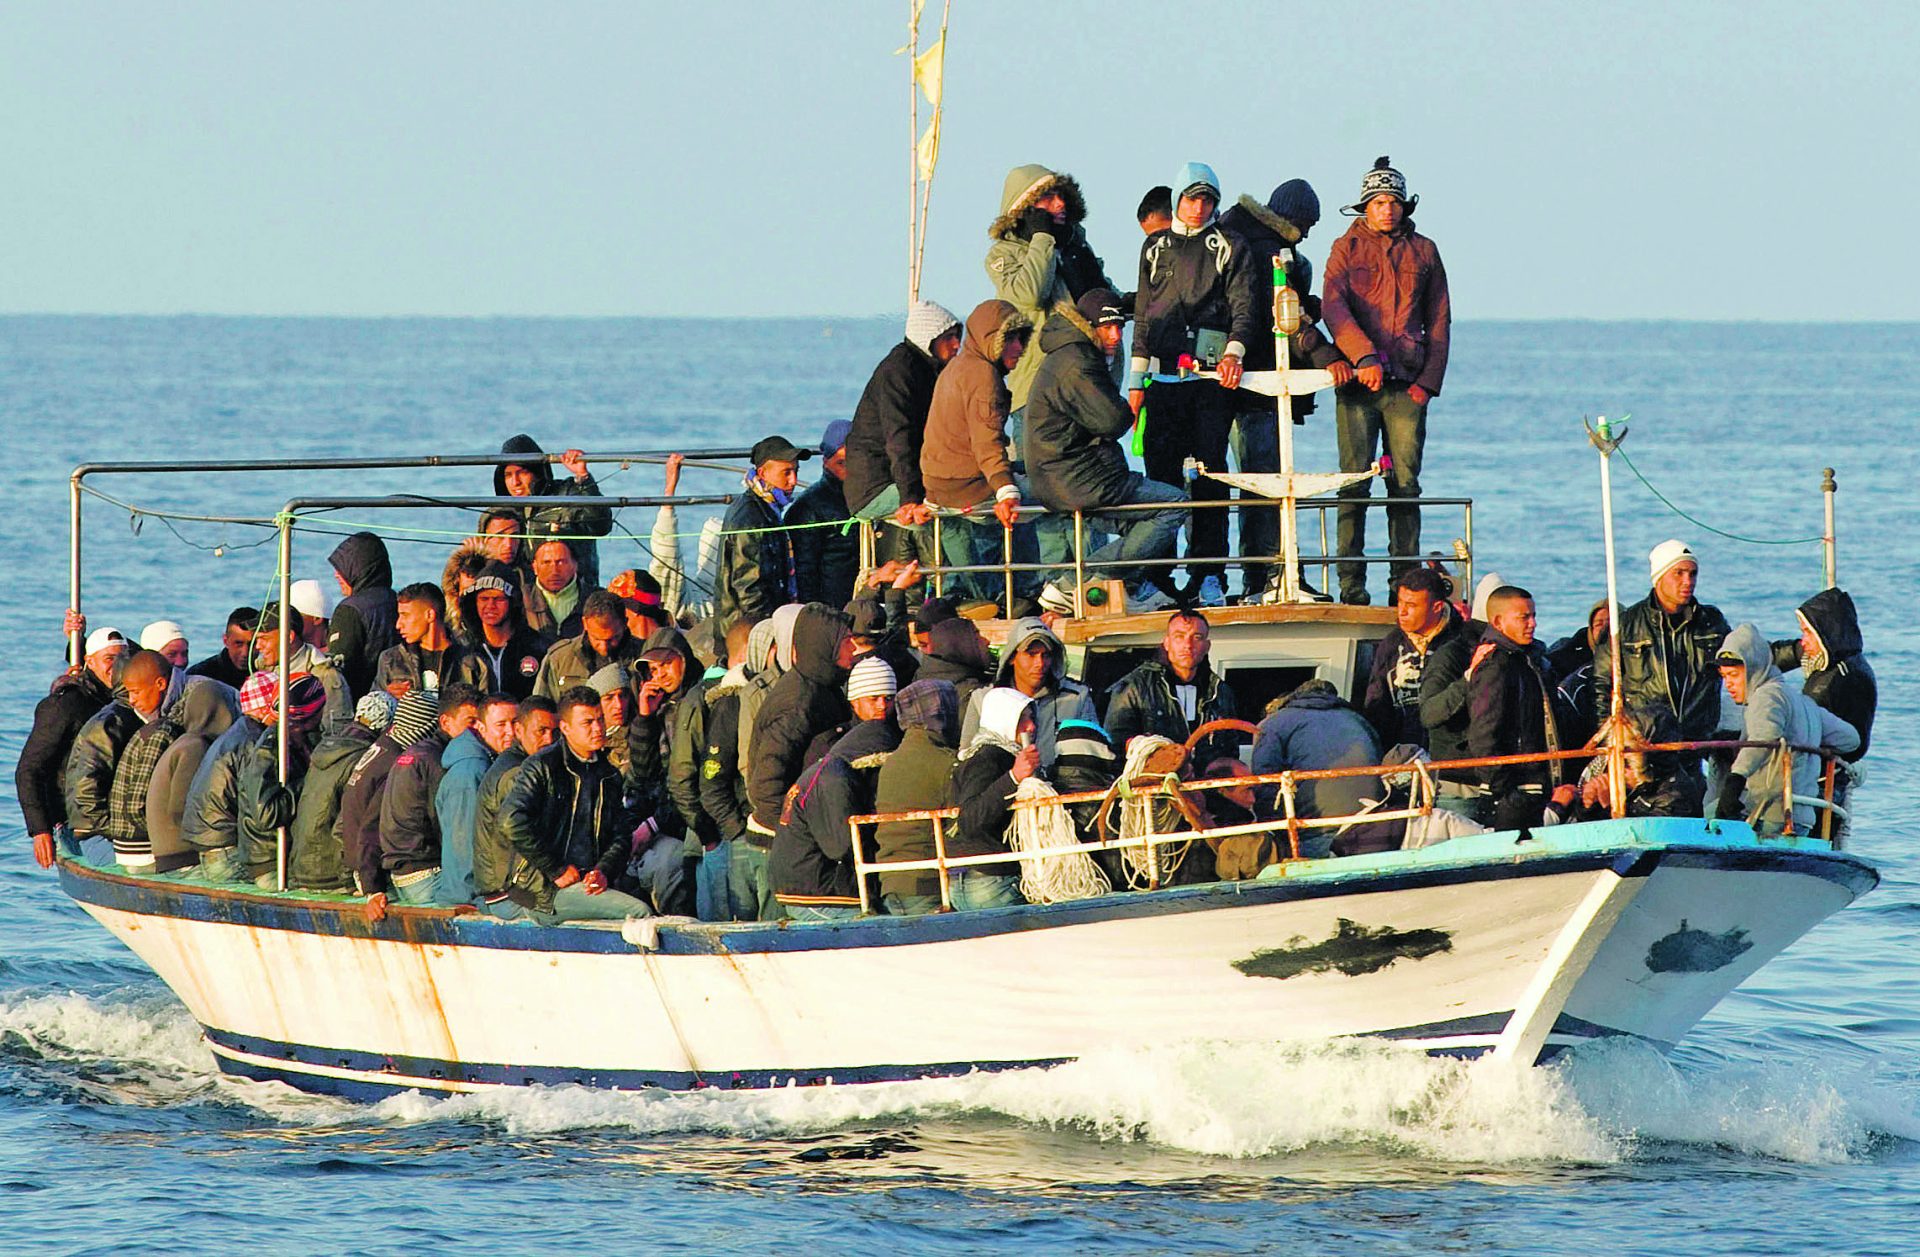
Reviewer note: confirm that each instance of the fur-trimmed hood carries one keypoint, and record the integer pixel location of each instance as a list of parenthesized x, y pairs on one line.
[(1285, 228), (1027, 184), (989, 326)]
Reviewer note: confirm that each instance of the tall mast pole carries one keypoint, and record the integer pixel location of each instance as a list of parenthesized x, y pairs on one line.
[(913, 151), (1606, 441)]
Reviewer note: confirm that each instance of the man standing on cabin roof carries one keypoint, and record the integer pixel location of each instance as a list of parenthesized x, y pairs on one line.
[(1075, 460), (1387, 306), (363, 622), (756, 560), (578, 522), (1175, 693), (1195, 300), (889, 425), (228, 665), (1282, 224), (1668, 643), (57, 720), (427, 656), (826, 555), (1155, 212)]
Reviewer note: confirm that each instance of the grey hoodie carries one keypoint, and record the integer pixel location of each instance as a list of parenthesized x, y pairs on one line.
[(1774, 711), (1060, 699), (206, 710)]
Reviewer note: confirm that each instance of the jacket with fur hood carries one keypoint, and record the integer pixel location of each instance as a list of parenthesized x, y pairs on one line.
[(805, 701), (1386, 300), (1839, 678), (1074, 421), (572, 518), (207, 709), (1040, 272), (1775, 712), (1265, 233), (363, 624), (1060, 699), (964, 459)]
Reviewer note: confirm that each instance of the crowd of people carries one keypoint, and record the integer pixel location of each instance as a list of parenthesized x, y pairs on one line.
[(524, 739)]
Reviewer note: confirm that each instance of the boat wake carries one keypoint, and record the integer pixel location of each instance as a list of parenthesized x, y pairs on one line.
[(1607, 1103)]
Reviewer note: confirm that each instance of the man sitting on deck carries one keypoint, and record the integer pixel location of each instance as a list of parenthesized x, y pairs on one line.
[(1756, 788), (56, 722), (229, 664), (494, 864), (410, 839), (427, 657), (1175, 693)]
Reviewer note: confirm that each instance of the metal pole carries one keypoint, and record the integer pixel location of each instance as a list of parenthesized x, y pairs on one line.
[(1604, 440), (940, 861), (1079, 562), (1828, 487), (76, 650), (913, 150), (860, 869), (283, 636), (1006, 567), (1283, 364)]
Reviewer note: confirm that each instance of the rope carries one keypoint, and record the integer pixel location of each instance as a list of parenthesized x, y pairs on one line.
[(1137, 819), (1698, 523), (1052, 879)]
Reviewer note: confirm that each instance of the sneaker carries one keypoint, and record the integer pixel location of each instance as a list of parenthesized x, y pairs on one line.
[(1211, 593), (1150, 598), (1356, 598), (1057, 600)]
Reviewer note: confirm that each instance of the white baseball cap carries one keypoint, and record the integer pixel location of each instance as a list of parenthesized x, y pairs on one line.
[(161, 633), (101, 638)]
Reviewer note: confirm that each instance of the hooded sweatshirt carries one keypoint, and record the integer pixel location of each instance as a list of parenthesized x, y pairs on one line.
[(316, 858), (1265, 233), (1313, 727), (1075, 422), (511, 668), (919, 775), (666, 747), (1774, 712), (984, 784), (957, 654), (1059, 699), (964, 459), (803, 703), (206, 710), (1191, 280), (1839, 678), (464, 765), (812, 857), (890, 423), (1040, 272), (362, 625), (574, 520)]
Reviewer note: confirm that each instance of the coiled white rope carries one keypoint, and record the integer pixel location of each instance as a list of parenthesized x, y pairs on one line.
[(1052, 879), (1140, 815)]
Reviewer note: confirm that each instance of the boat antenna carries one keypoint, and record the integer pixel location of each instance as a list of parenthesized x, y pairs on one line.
[(1606, 437), (925, 74)]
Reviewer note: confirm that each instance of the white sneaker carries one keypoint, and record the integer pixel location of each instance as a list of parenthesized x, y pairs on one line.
[(1148, 599), (1057, 600), (1211, 593)]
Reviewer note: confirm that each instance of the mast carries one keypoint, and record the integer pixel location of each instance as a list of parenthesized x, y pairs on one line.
[(925, 75)]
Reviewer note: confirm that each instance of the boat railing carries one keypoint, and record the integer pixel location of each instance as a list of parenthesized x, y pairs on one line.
[(944, 518), (1424, 776)]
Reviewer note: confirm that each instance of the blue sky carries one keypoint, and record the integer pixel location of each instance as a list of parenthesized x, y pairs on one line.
[(1627, 161)]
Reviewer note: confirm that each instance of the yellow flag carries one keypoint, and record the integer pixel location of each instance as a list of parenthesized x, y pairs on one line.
[(927, 69), (927, 152), (913, 24)]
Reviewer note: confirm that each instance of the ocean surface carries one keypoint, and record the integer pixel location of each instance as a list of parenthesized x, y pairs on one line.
[(1788, 1122)]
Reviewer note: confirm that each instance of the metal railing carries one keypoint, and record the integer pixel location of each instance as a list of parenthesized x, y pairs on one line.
[(1421, 803), (1081, 566)]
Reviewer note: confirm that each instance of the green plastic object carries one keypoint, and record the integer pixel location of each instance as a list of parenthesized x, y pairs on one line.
[(1140, 428)]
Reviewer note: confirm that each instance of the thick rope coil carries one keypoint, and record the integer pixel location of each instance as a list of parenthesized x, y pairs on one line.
[(1139, 815), (1052, 879)]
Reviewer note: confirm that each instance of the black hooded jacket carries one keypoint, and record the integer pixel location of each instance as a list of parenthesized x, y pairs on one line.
[(56, 722), (511, 668), (812, 857), (808, 699), (574, 519), (1074, 420), (362, 626), (826, 559), (1846, 685), (956, 654), (1189, 283), (409, 818), (665, 738), (883, 446), (1265, 233)]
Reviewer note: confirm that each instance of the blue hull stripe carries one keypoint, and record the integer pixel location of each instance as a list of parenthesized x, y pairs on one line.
[(342, 917)]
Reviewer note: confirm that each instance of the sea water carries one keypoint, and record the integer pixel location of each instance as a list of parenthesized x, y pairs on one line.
[(1789, 1121)]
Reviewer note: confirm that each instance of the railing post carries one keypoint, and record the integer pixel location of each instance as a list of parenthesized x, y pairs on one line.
[(940, 859), (1826, 792), (76, 646), (1293, 820), (284, 637), (1079, 562), (939, 562), (1828, 487), (1006, 567), (859, 869), (1786, 786)]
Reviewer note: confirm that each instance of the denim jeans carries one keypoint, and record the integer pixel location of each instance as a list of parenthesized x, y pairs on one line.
[(712, 893), (1138, 534), (821, 912), (974, 540), (95, 851), (222, 864), (662, 872), (896, 541), (748, 883), (973, 889), (910, 905), (1365, 420), (423, 893)]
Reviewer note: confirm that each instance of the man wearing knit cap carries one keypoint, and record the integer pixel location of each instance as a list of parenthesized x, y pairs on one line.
[(826, 556), (169, 639), (1275, 229), (366, 787), (871, 686), (1668, 641), (1386, 305), (1195, 300), (883, 443), (501, 639)]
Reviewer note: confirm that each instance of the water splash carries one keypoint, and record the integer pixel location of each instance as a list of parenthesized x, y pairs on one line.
[(1608, 1103)]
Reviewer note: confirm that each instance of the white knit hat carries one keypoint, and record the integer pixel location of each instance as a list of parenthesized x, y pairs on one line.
[(871, 678), (928, 322), (311, 599), (1667, 555), (160, 633)]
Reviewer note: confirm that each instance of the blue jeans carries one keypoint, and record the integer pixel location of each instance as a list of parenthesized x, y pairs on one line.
[(662, 871), (910, 905), (1138, 534), (95, 851), (712, 893), (747, 882), (572, 903), (222, 864), (967, 543), (1365, 422), (974, 889), (424, 893), (821, 912)]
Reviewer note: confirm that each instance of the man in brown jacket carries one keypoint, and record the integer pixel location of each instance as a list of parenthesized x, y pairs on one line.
[(1385, 302), (964, 462)]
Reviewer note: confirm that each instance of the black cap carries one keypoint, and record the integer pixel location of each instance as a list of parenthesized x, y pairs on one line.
[(868, 616), (933, 611), (777, 449), (1100, 306)]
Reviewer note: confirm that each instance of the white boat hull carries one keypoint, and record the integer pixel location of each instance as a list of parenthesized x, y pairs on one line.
[(1483, 945)]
